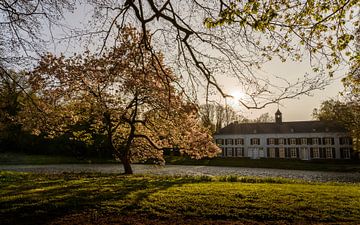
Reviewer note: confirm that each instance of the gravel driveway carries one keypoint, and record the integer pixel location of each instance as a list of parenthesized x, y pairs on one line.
[(189, 170)]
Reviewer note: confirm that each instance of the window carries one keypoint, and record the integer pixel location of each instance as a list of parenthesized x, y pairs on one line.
[(316, 153), (303, 141), (346, 153), (229, 152), (254, 141), (220, 141), (281, 141), (293, 153), (229, 141), (328, 141), (271, 141), (282, 152), (239, 141), (347, 141), (292, 141), (315, 141), (272, 152), (239, 152), (329, 153)]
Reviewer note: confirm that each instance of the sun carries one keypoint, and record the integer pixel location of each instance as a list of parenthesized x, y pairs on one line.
[(237, 95)]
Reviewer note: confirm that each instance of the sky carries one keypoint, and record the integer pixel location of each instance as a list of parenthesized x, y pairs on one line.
[(297, 109)]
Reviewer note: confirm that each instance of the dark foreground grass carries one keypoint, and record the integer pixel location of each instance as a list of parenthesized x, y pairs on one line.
[(116, 199)]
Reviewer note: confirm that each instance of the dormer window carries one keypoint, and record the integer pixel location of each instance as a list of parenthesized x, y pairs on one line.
[(254, 141)]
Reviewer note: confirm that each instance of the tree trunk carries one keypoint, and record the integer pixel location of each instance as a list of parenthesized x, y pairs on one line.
[(127, 165)]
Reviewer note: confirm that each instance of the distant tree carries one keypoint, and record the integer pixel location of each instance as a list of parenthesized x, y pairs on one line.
[(348, 113), (263, 118), (12, 99), (216, 116), (128, 94)]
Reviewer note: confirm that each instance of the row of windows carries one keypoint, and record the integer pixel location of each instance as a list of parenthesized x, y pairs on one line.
[(285, 141), (233, 152), (315, 153), (300, 141)]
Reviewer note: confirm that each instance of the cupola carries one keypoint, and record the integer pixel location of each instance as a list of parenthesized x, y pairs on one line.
[(278, 116)]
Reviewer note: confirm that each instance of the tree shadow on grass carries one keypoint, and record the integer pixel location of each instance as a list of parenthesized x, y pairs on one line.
[(40, 199)]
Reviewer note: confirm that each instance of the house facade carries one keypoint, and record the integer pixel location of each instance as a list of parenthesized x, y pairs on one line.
[(305, 140)]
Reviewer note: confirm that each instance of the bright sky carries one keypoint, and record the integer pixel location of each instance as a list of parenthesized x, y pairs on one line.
[(300, 108), (293, 110)]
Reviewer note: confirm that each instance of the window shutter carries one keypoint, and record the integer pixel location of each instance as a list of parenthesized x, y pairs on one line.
[(333, 153), (311, 153), (267, 141), (297, 153)]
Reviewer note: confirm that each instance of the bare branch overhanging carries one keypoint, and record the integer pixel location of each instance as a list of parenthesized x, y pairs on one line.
[(228, 46)]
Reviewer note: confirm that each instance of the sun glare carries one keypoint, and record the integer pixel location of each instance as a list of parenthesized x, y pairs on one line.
[(237, 95)]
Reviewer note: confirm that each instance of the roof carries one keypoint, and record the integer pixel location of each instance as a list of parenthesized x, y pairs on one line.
[(284, 127)]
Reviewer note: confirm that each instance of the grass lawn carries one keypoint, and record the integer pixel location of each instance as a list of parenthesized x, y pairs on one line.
[(116, 199)]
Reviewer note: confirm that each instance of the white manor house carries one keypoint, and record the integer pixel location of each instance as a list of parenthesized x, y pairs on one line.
[(305, 140)]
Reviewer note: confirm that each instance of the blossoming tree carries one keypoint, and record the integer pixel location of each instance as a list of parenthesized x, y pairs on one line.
[(128, 94)]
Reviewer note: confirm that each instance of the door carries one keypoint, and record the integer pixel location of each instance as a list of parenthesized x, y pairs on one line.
[(305, 153), (253, 153)]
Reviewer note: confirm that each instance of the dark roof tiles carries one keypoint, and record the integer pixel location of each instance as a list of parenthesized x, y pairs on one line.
[(282, 128)]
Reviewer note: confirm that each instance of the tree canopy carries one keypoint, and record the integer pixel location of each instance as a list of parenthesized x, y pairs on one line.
[(203, 40), (206, 39), (128, 94), (348, 113)]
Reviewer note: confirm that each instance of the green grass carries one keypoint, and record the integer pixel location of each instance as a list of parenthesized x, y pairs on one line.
[(110, 199), (11, 158), (316, 165)]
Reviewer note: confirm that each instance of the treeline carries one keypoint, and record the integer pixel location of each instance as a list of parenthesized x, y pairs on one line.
[(16, 97), (216, 116)]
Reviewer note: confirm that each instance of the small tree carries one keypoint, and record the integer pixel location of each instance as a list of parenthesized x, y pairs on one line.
[(129, 95)]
